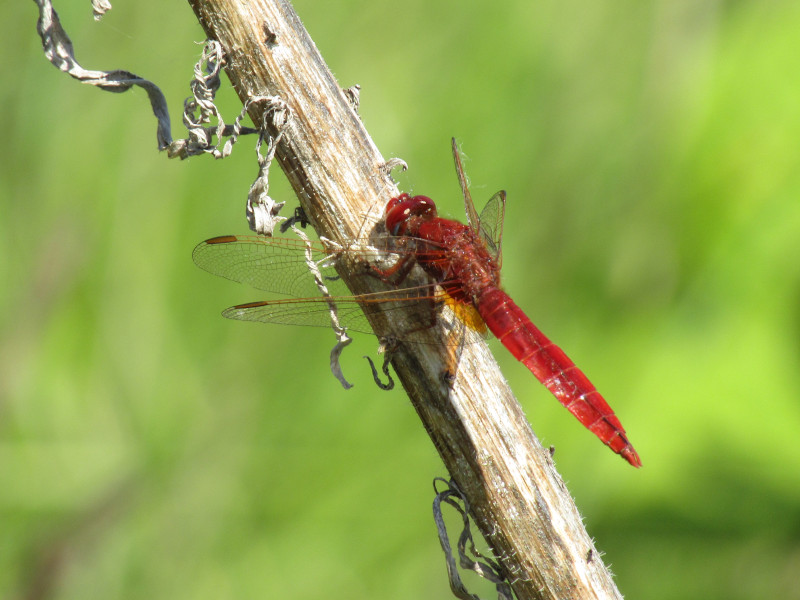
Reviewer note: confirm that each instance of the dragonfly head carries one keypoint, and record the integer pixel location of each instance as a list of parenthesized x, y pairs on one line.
[(400, 209)]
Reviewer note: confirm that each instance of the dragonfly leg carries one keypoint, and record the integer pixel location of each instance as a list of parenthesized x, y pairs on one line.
[(397, 273)]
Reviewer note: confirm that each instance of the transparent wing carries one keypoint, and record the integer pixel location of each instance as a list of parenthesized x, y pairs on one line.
[(491, 224), (278, 265), (469, 206), (275, 265), (349, 310)]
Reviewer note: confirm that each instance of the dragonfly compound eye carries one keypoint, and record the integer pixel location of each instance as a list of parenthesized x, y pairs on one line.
[(401, 208)]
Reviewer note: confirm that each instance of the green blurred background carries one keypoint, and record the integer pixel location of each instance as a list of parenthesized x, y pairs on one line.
[(151, 449)]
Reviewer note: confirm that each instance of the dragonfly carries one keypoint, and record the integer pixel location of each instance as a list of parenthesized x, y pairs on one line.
[(461, 263)]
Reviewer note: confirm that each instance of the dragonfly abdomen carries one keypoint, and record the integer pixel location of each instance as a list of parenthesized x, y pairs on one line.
[(554, 369)]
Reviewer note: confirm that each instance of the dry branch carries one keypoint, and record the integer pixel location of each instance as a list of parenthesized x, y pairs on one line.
[(517, 499)]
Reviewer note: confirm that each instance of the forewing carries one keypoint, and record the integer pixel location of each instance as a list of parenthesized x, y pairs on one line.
[(469, 206), (275, 265), (491, 224), (279, 265)]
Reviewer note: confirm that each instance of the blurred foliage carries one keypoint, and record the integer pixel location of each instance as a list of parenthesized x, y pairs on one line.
[(151, 449)]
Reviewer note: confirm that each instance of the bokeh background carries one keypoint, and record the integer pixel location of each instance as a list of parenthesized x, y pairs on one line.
[(151, 449)]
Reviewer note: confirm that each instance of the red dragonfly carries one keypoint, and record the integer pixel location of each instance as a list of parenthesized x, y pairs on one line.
[(463, 262)]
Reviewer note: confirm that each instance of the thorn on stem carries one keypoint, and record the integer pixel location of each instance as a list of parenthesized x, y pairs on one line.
[(387, 167), (353, 95), (271, 38)]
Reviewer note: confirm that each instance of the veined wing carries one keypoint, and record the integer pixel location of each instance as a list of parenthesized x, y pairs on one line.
[(469, 206), (350, 310), (278, 265), (490, 223)]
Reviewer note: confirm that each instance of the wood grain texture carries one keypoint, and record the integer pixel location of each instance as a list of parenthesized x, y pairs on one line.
[(517, 499)]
